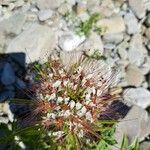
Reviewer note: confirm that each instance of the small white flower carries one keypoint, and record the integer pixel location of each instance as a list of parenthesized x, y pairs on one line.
[(67, 113), (72, 104), (51, 115), (53, 96), (78, 105), (66, 100), (59, 99), (88, 96), (65, 82), (83, 110), (88, 115), (57, 84)]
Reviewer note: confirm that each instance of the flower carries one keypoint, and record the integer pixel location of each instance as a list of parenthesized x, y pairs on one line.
[(73, 92)]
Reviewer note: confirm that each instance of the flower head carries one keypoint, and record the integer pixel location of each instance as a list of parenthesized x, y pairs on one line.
[(72, 92)]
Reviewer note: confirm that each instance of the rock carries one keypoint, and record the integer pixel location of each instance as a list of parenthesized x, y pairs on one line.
[(137, 51), (134, 77), (145, 145), (113, 38), (131, 23), (49, 4), (2, 42), (64, 8), (8, 75), (34, 42), (145, 68), (138, 96), (123, 53), (147, 20), (135, 125), (19, 3), (6, 95), (138, 8), (45, 14), (106, 7), (147, 33), (14, 24), (112, 25), (94, 42), (68, 41)]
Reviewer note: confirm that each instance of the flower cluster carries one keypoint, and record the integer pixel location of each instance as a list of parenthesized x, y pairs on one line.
[(71, 98)]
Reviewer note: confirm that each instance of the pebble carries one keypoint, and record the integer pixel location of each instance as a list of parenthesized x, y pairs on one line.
[(138, 8), (135, 124), (137, 96), (123, 53), (32, 44), (94, 42), (49, 4), (113, 38), (14, 24), (45, 14), (69, 41), (137, 51), (134, 77), (131, 23), (8, 75), (112, 25)]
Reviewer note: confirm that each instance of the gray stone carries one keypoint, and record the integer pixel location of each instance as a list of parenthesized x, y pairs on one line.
[(94, 42), (49, 4), (138, 7), (123, 53), (69, 41), (134, 77), (112, 25), (113, 38), (13, 25), (145, 145), (137, 96), (64, 8), (45, 14), (36, 42), (131, 23), (135, 125), (5, 95), (147, 21), (137, 51), (8, 75), (147, 33)]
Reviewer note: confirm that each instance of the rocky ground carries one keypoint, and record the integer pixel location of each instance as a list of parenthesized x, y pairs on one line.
[(31, 29)]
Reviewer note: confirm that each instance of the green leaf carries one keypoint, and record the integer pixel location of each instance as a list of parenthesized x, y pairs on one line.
[(102, 145)]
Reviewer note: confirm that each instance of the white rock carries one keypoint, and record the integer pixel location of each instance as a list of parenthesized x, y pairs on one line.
[(137, 51), (35, 42), (123, 53), (45, 14), (113, 38), (70, 41), (14, 24), (135, 125), (131, 23), (134, 76), (94, 42), (138, 7), (138, 96), (49, 4), (112, 25)]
